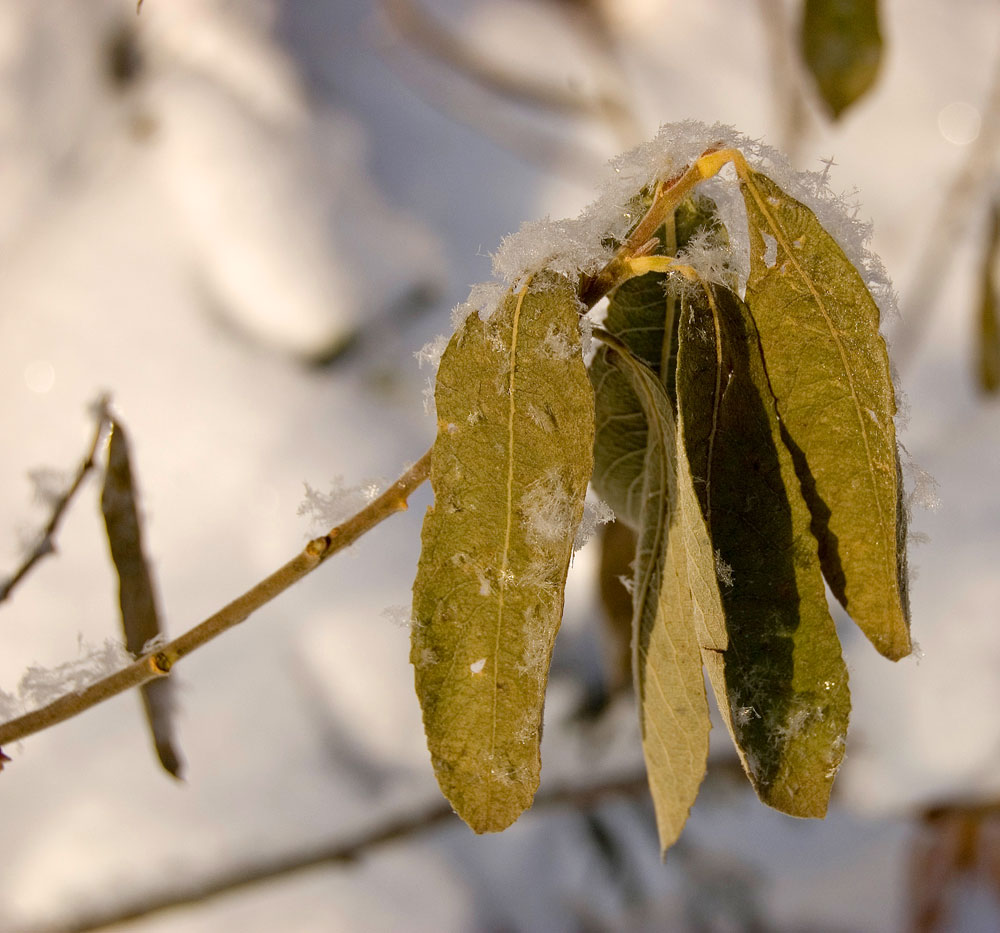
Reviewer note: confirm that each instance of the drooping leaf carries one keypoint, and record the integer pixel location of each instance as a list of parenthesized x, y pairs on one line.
[(842, 47), (988, 343), (510, 466), (781, 684), (667, 624), (828, 368), (642, 313), (137, 599)]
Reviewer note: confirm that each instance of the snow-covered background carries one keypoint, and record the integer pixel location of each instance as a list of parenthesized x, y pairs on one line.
[(243, 232)]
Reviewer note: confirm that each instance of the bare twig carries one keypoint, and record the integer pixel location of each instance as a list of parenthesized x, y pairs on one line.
[(944, 233), (45, 544), (337, 852), (160, 662)]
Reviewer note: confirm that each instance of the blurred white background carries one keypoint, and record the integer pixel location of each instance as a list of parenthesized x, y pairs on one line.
[(241, 220)]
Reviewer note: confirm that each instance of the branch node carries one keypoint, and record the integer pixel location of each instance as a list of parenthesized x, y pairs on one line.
[(160, 663)]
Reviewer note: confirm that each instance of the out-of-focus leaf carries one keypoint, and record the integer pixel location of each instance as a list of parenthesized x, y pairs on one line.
[(828, 368), (988, 344), (510, 467), (617, 553), (670, 684), (642, 313), (842, 47), (140, 618), (781, 684)]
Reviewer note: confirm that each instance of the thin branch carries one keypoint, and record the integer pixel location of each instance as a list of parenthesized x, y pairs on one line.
[(45, 544), (334, 853), (160, 662)]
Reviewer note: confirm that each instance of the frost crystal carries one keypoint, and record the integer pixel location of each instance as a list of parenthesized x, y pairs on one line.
[(430, 353), (39, 685), (326, 509), (595, 512)]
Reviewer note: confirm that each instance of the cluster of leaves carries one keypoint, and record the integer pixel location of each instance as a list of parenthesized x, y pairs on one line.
[(750, 443)]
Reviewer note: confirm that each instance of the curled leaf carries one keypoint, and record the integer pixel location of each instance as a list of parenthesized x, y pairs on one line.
[(140, 618), (510, 467), (670, 685), (828, 368)]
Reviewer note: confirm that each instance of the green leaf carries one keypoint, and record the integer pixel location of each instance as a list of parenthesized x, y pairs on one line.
[(988, 343), (140, 618), (510, 466), (829, 371), (642, 313), (669, 626), (781, 685), (842, 47)]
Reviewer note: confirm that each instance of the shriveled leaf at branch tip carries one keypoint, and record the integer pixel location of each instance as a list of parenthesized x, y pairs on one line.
[(781, 684), (828, 367), (842, 48), (510, 467), (988, 336), (140, 618), (670, 685)]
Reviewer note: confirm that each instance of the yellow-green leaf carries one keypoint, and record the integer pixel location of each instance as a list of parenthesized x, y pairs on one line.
[(988, 342), (137, 599), (842, 47), (510, 467), (668, 626), (829, 371), (781, 683)]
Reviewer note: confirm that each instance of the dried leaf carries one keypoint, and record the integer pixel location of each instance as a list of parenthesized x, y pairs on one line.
[(842, 47), (140, 618), (510, 467), (988, 344), (781, 685), (670, 684), (828, 368)]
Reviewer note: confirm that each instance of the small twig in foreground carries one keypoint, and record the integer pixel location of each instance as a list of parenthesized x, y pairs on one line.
[(45, 544), (159, 662), (338, 852)]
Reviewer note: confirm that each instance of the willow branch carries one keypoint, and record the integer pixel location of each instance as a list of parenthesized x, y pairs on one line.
[(159, 663), (336, 853), (45, 544)]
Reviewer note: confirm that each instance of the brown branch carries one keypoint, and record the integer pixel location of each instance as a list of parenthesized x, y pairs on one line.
[(334, 853), (159, 663), (45, 544)]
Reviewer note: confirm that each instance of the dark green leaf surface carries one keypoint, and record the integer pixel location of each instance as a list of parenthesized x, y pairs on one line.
[(510, 467), (828, 368), (140, 618), (842, 47), (781, 683)]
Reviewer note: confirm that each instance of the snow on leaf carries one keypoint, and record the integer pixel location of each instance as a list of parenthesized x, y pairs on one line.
[(508, 497), (781, 684), (829, 370)]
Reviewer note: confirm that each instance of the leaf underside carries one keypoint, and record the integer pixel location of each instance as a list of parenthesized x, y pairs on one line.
[(510, 467), (781, 683), (828, 369)]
